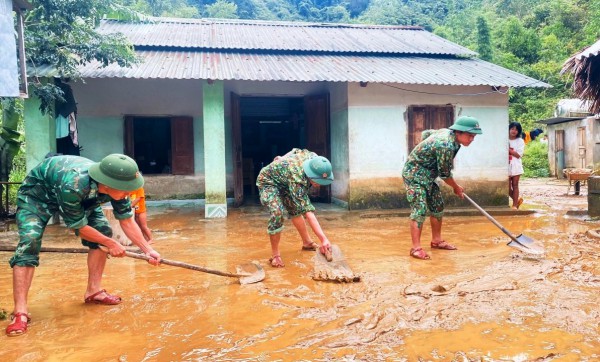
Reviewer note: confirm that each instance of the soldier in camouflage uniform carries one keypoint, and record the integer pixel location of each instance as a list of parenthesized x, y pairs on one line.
[(284, 184), (430, 159), (75, 187)]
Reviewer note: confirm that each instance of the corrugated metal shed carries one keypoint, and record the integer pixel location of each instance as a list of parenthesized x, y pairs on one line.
[(224, 34)]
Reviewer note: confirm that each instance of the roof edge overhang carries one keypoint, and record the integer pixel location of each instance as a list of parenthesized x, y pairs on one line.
[(558, 120)]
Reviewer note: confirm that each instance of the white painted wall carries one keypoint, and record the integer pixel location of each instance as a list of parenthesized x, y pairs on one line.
[(156, 97), (378, 129), (103, 103)]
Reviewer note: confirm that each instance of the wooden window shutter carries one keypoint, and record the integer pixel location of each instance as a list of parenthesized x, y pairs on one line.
[(182, 145)]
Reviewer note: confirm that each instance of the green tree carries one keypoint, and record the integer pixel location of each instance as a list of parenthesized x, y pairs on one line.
[(518, 40), (221, 9), (484, 41), (61, 35), (591, 29)]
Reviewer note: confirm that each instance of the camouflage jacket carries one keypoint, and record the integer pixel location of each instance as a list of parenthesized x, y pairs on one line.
[(62, 183), (433, 157), (287, 175)]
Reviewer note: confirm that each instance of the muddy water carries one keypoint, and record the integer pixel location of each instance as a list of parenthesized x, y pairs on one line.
[(483, 302)]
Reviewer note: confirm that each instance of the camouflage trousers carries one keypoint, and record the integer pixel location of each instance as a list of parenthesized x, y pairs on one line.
[(423, 200), (31, 228), (271, 197)]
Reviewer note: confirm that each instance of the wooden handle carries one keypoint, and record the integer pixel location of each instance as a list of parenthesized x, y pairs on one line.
[(183, 265), (492, 220), (47, 249)]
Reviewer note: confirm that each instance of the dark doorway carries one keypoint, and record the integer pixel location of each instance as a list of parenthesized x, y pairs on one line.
[(271, 126), (265, 127)]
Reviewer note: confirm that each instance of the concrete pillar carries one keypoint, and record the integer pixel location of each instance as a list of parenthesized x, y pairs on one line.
[(40, 133), (214, 149)]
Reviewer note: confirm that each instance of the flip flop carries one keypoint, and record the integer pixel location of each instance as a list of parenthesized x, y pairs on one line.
[(443, 245), (108, 300), (310, 247), (519, 202), (419, 253), (18, 327)]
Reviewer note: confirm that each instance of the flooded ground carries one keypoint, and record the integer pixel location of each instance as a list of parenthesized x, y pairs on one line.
[(484, 302)]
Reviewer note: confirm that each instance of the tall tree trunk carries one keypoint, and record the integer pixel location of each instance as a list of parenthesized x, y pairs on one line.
[(9, 142)]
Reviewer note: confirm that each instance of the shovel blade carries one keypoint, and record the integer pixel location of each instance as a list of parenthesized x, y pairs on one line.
[(526, 244), (250, 273)]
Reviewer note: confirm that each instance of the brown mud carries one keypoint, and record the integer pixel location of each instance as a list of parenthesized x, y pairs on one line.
[(484, 302)]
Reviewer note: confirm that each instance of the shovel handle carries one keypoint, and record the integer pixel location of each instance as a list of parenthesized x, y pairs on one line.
[(494, 221), (183, 265), (177, 264)]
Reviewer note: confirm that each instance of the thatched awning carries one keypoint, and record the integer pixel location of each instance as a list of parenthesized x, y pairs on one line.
[(585, 67)]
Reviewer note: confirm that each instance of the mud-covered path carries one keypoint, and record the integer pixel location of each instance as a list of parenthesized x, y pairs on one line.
[(484, 302)]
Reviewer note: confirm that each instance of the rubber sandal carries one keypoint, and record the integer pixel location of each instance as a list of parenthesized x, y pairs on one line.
[(443, 245), (310, 247), (419, 253), (18, 327), (276, 261), (519, 202), (108, 300)]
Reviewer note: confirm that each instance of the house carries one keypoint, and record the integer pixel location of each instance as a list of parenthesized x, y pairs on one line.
[(12, 49), (572, 140), (215, 100)]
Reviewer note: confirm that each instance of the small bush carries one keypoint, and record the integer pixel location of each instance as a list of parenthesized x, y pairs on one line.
[(535, 160)]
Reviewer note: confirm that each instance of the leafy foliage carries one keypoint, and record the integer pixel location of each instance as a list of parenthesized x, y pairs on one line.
[(535, 160), (484, 42), (222, 9), (61, 34)]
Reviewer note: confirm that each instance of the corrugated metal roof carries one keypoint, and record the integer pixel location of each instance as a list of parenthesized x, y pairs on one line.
[(254, 35), (309, 68), (558, 120)]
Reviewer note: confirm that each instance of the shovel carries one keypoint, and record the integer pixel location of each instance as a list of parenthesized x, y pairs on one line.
[(521, 242), (248, 273)]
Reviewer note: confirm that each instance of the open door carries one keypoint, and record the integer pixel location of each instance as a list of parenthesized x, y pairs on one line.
[(236, 135), (316, 121)]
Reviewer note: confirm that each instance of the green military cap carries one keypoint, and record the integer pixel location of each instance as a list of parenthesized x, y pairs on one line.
[(467, 124), (118, 172), (319, 170)]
